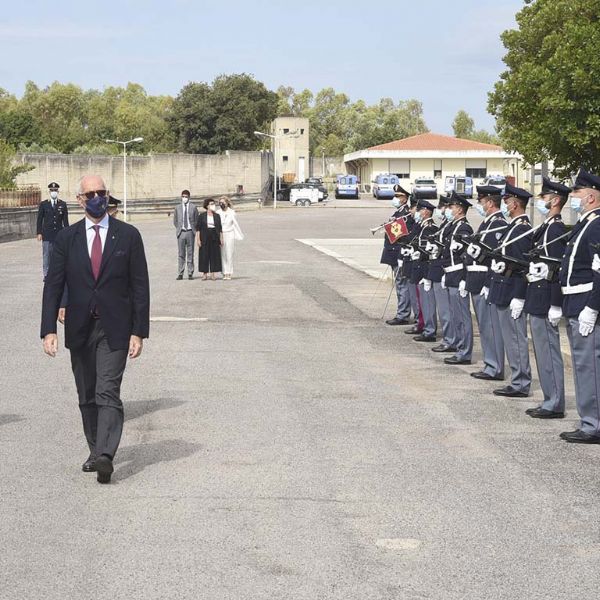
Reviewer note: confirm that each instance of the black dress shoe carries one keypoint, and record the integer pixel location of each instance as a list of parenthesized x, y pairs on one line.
[(443, 348), (190, 277), (104, 467), (509, 392), (397, 321), (179, 277), (453, 360), (542, 413), (425, 338), (89, 466), (564, 434), (413, 331), (485, 376), (581, 437)]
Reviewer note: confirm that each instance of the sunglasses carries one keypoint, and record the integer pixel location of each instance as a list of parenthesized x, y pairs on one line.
[(92, 194)]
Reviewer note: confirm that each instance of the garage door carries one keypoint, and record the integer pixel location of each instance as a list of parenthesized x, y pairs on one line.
[(400, 166)]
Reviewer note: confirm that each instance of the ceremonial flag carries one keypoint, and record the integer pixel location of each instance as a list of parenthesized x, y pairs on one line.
[(395, 230)]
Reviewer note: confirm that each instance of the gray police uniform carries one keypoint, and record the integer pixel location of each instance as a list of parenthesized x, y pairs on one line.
[(459, 306), (503, 288), (546, 339), (478, 276), (580, 287)]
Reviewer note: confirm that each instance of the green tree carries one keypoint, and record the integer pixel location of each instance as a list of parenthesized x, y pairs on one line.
[(464, 127), (213, 118), (547, 102), (8, 169)]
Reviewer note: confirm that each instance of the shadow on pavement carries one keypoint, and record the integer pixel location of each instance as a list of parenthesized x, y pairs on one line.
[(139, 408), (141, 456), (6, 419)]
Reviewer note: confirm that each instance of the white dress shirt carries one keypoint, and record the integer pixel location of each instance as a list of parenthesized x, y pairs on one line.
[(91, 232), (210, 221), (186, 225)]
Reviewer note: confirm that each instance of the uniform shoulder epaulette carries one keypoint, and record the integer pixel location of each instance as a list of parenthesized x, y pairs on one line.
[(592, 216)]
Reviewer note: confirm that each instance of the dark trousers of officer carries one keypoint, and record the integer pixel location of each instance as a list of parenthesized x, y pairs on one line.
[(548, 358), (460, 310), (415, 304), (442, 303), (490, 336), (585, 352), (402, 293), (46, 256), (514, 335), (98, 372)]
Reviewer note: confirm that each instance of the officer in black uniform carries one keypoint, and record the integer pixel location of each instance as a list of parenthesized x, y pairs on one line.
[(406, 254), (113, 206), (507, 291), (391, 256), (424, 216), (53, 216), (580, 287), (454, 279), (543, 302), (477, 281)]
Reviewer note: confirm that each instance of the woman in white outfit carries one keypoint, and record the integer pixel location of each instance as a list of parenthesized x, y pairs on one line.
[(231, 233)]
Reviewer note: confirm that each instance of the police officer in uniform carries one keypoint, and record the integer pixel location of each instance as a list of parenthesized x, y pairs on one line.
[(52, 216), (507, 292), (453, 279), (477, 282), (406, 253), (424, 216), (543, 302), (391, 256), (113, 206), (435, 273), (580, 287)]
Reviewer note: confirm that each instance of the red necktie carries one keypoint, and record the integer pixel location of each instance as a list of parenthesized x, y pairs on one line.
[(96, 252)]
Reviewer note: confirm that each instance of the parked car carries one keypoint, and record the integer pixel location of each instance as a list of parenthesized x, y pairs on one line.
[(383, 185), (498, 181), (346, 186), (283, 195), (459, 184), (425, 188), (304, 196)]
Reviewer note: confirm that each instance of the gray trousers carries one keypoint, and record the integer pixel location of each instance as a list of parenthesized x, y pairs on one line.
[(185, 246), (403, 310), (460, 311), (414, 300), (585, 353), (442, 303), (98, 372), (514, 335), (429, 311), (47, 248), (490, 336), (548, 358)]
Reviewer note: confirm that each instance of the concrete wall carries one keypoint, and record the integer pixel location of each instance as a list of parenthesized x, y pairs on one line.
[(149, 177), (17, 223)]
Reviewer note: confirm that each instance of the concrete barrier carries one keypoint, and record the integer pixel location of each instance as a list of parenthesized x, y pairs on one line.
[(17, 223)]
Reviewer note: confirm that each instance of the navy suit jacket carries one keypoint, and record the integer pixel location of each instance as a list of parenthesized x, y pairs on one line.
[(120, 296)]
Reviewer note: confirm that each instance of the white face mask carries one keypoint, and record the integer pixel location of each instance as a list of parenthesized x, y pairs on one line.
[(54, 195), (542, 208), (185, 199), (449, 214), (576, 204), (504, 208), (439, 213), (479, 208), (396, 203)]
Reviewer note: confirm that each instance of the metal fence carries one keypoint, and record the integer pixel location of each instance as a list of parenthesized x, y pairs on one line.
[(20, 197)]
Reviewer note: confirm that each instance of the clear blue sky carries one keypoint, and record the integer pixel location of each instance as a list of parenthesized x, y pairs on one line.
[(445, 53)]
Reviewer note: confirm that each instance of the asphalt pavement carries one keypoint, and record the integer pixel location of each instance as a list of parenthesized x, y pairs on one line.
[(281, 442)]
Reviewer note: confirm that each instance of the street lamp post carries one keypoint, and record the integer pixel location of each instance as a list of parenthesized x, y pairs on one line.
[(137, 139), (323, 173), (274, 138)]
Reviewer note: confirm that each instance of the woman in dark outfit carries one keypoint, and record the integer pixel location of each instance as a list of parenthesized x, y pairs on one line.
[(209, 237)]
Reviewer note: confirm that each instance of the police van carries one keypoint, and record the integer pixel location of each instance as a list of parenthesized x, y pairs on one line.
[(459, 184), (346, 186), (383, 185)]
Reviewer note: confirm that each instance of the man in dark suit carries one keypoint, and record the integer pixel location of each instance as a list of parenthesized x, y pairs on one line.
[(53, 216), (102, 262)]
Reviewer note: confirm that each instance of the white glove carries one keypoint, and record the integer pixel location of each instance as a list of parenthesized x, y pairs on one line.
[(596, 263), (435, 253), (443, 282), (426, 284), (462, 289), (498, 266), (485, 292), (587, 320), (400, 263), (555, 315), (473, 251), (415, 255), (516, 307), (455, 246), (429, 247), (537, 271), (405, 252)]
